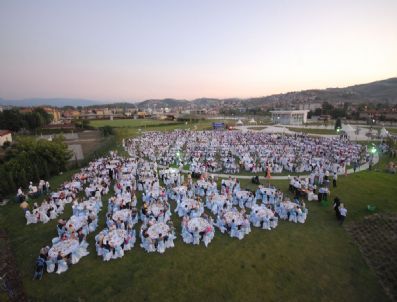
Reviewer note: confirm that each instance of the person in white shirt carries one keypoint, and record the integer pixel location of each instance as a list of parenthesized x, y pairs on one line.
[(343, 213)]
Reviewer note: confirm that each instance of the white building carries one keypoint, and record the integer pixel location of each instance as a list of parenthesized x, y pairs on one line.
[(5, 136), (289, 117)]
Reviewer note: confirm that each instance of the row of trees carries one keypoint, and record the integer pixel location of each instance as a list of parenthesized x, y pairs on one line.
[(31, 160), (14, 120)]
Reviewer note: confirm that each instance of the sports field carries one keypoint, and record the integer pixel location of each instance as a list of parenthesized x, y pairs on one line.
[(315, 261)]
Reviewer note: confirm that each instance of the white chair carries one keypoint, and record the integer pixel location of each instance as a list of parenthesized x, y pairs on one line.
[(187, 237), (196, 238), (75, 257), (44, 218), (119, 252), (50, 266), (161, 246), (207, 239), (107, 255), (169, 243), (274, 222), (62, 266), (30, 218)]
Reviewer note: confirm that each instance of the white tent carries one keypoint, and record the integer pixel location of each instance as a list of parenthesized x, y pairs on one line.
[(252, 121), (348, 129), (239, 123), (384, 133)]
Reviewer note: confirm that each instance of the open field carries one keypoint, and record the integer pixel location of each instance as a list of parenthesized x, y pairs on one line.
[(313, 130), (311, 262)]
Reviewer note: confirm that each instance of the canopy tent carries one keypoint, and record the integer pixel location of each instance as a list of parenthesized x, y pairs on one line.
[(239, 123), (252, 121), (383, 133), (348, 129)]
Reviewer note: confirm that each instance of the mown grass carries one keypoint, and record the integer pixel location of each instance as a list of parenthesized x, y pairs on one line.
[(316, 261), (313, 130)]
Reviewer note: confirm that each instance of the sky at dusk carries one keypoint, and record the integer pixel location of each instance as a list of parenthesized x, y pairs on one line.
[(135, 50)]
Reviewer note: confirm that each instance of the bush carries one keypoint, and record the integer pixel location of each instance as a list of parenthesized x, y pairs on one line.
[(30, 160), (106, 130)]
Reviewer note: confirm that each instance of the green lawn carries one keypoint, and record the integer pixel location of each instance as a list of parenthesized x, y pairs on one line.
[(313, 130), (316, 261), (128, 123)]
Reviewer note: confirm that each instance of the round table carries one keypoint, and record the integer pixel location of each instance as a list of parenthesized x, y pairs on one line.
[(121, 215), (243, 194), (203, 184), (289, 205), (261, 212), (65, 247), (159, 228), (156, 208), (77, 222), (189, 204), (116, 237), (234, 215), (198, 223), (180, 189)]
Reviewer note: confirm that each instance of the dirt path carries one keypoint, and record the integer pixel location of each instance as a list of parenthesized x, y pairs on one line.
[(8, 266)]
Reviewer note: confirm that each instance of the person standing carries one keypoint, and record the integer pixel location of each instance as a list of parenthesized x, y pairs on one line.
[(334, 179), (336, 206), (342, 212)]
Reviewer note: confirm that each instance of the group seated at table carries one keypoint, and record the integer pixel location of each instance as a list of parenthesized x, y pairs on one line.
[(189, 207), (292, 211), (158, 210), (198, 229), (234, 222), (216, 203), (263, 216), (256, 152), (112, 242), (244, 199), (157, 236)]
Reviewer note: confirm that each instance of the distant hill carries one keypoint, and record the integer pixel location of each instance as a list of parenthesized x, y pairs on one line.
[(379, 91), (163, 103), (57, 102)]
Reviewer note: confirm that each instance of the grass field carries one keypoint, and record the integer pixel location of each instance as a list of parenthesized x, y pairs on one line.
[(316, 261), (313, 130)]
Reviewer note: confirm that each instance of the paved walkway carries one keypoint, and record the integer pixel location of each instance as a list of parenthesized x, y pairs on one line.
[(284, 177)]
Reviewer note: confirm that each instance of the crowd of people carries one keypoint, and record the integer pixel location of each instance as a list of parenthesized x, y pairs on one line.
[(143, 192), (256, 152)]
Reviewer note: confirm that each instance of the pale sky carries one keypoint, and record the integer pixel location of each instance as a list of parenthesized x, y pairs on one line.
[(136, 50)]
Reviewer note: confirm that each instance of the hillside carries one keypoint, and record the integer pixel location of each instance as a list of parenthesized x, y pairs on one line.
[(379, 91)]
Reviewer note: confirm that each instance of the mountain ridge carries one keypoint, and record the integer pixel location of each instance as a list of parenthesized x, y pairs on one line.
[(380, 91)]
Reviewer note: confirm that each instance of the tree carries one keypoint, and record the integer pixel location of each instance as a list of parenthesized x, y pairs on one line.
[(338, 124)]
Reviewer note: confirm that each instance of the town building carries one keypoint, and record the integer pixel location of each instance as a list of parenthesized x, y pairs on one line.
[(289, 117), (5, 136)]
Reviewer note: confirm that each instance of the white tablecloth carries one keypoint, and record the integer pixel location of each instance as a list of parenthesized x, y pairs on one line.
[(116, 237), (66, 247), (289, 205), (121, 215), (180, 189), (189, 204), (76, 221), (261, 211), (200, 223), (159, 228), (234, 215), (242, 194), (155, 209)]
